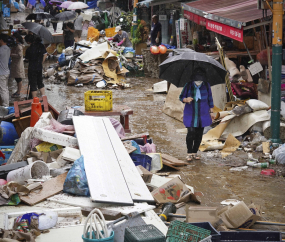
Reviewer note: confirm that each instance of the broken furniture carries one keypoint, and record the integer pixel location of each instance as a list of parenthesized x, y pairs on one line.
[(122, 110)]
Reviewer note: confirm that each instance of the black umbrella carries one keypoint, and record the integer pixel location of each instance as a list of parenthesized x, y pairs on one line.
[(39, 30), (66, 15), (179, 68), (39, 16)]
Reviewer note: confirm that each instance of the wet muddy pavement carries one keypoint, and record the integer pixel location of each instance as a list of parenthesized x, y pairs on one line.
[(210, 176)]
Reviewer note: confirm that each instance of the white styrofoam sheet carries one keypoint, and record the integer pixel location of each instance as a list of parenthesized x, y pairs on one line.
[(135, 183), (105, 179)]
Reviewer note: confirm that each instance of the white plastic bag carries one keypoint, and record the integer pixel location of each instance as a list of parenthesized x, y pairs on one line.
[(257, 105), (279, 154)]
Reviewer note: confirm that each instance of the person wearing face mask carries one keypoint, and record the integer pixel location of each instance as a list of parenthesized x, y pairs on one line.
[(17, 70), (39, 8), (198, 111)]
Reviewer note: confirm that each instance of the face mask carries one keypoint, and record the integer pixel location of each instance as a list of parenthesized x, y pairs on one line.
[(198, 83)]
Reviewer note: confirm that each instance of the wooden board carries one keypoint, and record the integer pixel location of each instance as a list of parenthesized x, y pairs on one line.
[(108, 214), (137, 187), (77, 201), (167, 163), (50, 188), (136, 136), (21, 124), (173, 160), (105, 179)]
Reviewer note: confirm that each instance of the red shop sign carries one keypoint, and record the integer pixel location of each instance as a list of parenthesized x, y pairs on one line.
[(195, 18), (225, 30)]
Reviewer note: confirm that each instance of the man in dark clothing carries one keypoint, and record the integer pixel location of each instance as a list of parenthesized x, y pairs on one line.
[(68, 34), (54, 11), (35, 55), (155, 31)]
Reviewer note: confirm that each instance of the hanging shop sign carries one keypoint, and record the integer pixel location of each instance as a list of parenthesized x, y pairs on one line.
[(195, 18), (231, 32)]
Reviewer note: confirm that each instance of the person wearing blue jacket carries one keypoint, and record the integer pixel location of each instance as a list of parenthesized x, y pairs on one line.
[(198, 111)]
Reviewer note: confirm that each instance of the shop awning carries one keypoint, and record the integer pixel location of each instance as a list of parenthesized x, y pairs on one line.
[(235, 13), (148, 3)]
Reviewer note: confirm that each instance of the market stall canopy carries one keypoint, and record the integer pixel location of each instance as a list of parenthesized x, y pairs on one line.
[(235, 13), (148, 3)]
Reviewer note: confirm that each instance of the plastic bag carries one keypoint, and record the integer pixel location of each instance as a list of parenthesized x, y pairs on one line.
[(258, 138), (93, 34), (76, 180), (148, 148), (22, 7), (61, 59), (279, 154)]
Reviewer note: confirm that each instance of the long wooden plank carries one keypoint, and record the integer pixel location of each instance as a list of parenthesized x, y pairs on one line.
[(137, 186), (173, 160), (105, 179), (50, 188), (136, 136)]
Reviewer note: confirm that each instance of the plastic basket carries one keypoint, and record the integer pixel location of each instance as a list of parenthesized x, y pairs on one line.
[(6, 153), (98, 100), (110, 32), (183, 232), (144, 233), (216, 235), (143, 160), (110, 239)]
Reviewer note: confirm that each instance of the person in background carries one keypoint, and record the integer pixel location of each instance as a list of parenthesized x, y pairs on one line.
[(122, 37), (4, 69), (68, 34), (78, 26), (54, 11), (155, 31), (17, 70), (198, 111), (36, 55), (39, 8)]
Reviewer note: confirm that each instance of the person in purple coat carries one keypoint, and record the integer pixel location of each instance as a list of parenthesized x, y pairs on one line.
[(198, 111)]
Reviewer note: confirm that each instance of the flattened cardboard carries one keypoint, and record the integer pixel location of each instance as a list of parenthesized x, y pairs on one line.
[(174, 191), (240, 216), (145, 174), (201, 214)]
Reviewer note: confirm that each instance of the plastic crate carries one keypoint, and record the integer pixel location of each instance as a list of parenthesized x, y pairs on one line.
[(6, 153), (98, 100), (216, 235), (144, 233), (251, 236), (143, 160), (110, 32), (182, 232)]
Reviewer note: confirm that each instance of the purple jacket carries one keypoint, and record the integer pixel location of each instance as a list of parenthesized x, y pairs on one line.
[(196, 114)]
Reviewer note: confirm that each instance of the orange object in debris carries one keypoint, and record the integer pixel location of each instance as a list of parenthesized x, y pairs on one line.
[(154, 50), (162, 49), (36, 111)]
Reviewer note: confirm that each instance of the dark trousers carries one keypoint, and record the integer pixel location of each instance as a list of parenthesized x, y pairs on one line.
[(193, 139), (68, 43), (35, 80), (54, 25)]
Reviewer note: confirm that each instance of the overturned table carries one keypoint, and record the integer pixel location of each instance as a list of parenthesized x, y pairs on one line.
[(118, 110)]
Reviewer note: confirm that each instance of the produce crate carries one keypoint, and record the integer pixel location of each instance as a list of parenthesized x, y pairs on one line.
[(98, 100), (251, 236), (143, 160), (216, 235), (144, 233), (6, 153), (110, 32), (183, 232)]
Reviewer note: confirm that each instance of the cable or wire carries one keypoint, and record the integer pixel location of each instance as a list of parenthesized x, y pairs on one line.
[(93, 226)]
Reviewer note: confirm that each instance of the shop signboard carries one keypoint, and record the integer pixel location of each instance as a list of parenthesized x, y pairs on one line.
[(225, 30), (195, 18)]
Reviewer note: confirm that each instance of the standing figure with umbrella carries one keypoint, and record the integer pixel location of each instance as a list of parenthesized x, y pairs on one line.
[(54, 11), (198, 111), (35, 55), (68, 34), (196, 72)]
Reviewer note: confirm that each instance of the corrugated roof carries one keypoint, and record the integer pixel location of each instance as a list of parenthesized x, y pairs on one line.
[(239, 10)]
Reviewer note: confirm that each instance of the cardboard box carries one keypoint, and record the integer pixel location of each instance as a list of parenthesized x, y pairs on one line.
[(240, 216), (174, 191), (145, 174), (201, 214)]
